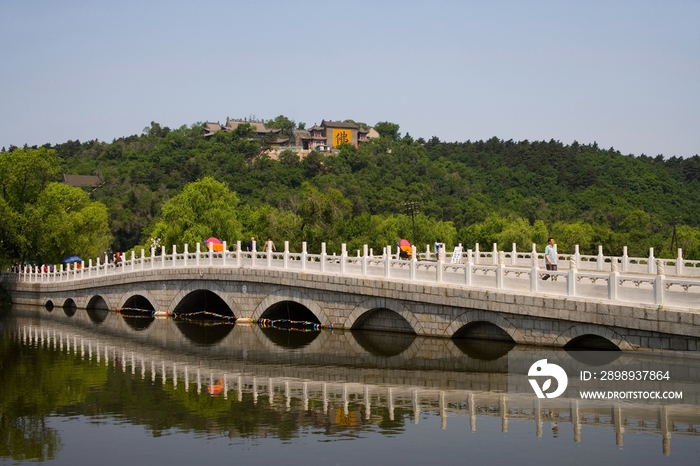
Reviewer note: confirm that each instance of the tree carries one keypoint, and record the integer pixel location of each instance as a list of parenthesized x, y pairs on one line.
[(388, 130), (66, 222), (204, 208), (283, 123), (25, 174)]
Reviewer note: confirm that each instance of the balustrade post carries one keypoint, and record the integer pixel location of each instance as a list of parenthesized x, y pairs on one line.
[(679, 262), (343, 257), (210, 251), (659, 283), (613, 281), (153, 257), (413, 265), (534, 253), (427, 252), (571, 278), (60, 277), (625, 259), (364, 260), (651, 262), (199, 251), (224, 252), (253, 253), (601, 258), (476, 254), (143, 258), (82, 269), (387, 258), (286, 255), (440, 263), (534, 275), (98, 266), (494, 254), (514, 255), (162, 257), (323, 257), (186, 253), (238, 253), (133, 259), (89, 268), (577, 256), (268, 246), (98, 269), (501, 258), (468, 268), (303, 255)]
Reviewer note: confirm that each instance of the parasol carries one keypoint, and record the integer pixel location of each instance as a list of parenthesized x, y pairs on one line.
[(71, 259)]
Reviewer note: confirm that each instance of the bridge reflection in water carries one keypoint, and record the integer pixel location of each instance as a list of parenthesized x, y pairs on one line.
[(352, 374)]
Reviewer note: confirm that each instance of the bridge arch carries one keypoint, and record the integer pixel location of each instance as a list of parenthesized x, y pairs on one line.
[(371, 304), (97, 309), (208, 286), (141, 299), (287, 294), (582, 330), (69, 307), (473, 316)]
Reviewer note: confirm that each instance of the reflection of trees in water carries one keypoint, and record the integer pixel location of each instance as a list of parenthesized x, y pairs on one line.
[(28, 438), (34, 383)]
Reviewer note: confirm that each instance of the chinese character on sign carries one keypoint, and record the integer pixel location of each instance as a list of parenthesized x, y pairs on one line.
[(341, 137)]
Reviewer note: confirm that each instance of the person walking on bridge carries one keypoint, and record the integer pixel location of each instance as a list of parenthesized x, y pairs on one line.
[(550, 258)]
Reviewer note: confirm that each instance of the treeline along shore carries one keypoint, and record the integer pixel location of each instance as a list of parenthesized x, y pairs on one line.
[(175, 186)]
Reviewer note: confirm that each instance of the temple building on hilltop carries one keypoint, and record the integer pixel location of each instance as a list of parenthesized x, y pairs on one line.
[(324, 137)]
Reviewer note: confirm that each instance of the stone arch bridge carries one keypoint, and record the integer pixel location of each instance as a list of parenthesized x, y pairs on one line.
[(346, 301)]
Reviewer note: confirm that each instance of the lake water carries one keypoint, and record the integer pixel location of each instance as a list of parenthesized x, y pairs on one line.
[(102, 389)]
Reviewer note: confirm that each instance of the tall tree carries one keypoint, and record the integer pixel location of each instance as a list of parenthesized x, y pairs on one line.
[(204, 208)]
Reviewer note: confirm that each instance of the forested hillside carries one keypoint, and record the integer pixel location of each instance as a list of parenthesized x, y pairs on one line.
[(485, 191)]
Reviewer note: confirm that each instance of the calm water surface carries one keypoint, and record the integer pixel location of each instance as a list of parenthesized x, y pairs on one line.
[(86, 389)]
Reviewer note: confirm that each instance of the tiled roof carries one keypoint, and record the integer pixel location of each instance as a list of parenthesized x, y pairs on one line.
[(338, 124)]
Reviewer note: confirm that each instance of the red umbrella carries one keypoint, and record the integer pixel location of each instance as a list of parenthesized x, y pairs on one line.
[(404, 242), (215, 244)]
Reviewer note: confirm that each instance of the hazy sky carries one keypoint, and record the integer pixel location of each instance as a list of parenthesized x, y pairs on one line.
[(625, 74)]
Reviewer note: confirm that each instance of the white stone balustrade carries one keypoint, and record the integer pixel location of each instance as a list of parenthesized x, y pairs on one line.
[(624, 279)]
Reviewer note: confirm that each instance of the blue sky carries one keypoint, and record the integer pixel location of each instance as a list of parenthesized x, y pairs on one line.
[(625, 74)]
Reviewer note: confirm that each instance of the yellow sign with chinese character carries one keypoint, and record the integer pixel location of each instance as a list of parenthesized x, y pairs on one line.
[(341, 136)]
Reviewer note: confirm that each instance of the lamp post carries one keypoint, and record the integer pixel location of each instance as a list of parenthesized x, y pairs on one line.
[(412, 208)]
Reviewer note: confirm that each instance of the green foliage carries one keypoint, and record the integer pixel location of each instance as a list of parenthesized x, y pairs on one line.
[(490, 191), (67, 223), (205, 208), (283, 123), (44, 220), (388, 130)]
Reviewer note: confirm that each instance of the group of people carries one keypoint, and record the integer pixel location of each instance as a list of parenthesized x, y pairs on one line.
[(253, 245), (550, 254)]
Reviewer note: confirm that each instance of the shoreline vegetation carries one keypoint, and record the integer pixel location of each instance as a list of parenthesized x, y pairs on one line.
[(174, 186)]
